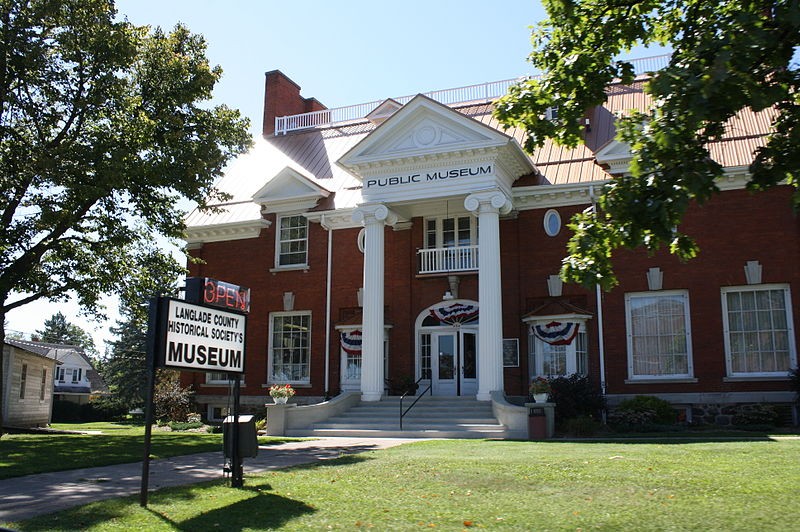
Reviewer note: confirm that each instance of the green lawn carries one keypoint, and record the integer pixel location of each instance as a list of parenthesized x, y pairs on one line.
[(25, 454), (458, 485)]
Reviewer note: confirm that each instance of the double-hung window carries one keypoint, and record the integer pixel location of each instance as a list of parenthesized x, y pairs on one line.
[(292, 241), (759, 336), (290, 347), (451, 244), (548, 360), (659, 335)]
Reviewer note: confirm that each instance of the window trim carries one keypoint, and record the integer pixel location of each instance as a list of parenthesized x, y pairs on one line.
[(278, 241), (761, 375), (439, 230), (633, 378), (271, 352), (23, 380), (43, 387), (536, 358), (547, 216)]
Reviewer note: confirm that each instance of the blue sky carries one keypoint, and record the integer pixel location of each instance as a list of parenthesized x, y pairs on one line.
[(342, 53)]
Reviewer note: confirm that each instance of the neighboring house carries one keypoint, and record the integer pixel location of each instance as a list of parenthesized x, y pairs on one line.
[(28, 386), (75, 378), (415, 239)]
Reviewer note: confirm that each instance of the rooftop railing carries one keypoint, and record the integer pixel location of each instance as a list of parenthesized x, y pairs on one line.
[(482, 92)]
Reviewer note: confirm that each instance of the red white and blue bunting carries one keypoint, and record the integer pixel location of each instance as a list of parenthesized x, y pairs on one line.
[(455, 313), (351, 342), (556, 333)]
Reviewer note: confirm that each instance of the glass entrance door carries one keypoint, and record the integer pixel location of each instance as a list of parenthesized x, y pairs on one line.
[(444, 364), (454, 362)]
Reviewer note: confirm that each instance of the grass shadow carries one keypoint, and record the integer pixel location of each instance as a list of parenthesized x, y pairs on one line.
[(261, 511)]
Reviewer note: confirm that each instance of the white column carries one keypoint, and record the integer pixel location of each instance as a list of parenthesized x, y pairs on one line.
[(374, 217), (489, 205)]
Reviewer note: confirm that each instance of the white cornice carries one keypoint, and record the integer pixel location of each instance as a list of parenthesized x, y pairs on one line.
[(224, 232)]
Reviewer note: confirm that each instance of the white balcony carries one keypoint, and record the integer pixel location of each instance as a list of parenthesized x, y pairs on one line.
[(448, 260)]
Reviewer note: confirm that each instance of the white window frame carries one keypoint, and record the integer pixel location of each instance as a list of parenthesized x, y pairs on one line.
[(213, 380), (684, 295), (279, 240), (789, 329), (439, 221), (271, 377), (549, 215), (210, 413), (536, 347)]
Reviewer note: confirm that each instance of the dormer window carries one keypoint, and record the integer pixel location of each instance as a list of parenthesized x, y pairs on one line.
[(292, 241)]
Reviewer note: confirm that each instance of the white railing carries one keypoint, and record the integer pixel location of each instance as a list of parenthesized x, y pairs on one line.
[(443, 260), (482, 92)]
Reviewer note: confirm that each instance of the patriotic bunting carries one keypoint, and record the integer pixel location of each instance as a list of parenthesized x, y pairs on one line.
[(556, 333), (455, 313), (351, 342)]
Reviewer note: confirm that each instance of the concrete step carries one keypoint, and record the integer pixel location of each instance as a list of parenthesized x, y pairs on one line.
[(431, 417)]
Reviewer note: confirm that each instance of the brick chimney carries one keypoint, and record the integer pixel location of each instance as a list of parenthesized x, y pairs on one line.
[(281, 98)]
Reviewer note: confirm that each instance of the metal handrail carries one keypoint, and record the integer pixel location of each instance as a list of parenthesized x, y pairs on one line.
[(404, 412), (471, 93)]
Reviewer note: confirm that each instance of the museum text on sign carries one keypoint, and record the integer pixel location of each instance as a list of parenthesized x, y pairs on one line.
[(202, 338)]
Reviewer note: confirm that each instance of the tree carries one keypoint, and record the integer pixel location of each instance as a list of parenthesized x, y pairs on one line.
[(104, 127), (727, 55), (57, 330), (125, 366)]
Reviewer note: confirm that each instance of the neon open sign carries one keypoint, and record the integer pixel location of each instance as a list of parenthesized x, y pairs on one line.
[(217, 293)]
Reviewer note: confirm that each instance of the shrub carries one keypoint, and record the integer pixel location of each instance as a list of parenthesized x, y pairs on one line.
[(646, 409), (582, 426), (756, 415), (185, 425), (171, 402), (576, 396)]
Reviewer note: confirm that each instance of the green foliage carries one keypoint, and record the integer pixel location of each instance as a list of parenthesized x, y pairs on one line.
[(756, 414), (125, 368), (171, 402), (582, 426), (105, 128), (643, 410), (57, 330), (184, 425), (576, 396), (727, 56), (104, 409)]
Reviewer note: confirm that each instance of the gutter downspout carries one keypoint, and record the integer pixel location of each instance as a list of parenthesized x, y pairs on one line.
[(328, 307), (599, 296)]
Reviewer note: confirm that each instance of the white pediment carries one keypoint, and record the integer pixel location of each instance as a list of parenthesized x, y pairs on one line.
[(616, 155), (422, 127), (289, 190)]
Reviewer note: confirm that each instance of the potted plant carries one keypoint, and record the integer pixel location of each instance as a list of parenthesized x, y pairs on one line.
[(539, 389), (281, 393)]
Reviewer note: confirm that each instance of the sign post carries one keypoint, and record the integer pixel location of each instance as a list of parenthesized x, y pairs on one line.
[(188, 336), (152, 337)]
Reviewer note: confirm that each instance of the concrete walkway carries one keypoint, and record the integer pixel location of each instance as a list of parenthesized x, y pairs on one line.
[(25, 497)]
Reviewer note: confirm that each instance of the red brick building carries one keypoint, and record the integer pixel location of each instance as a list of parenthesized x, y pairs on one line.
[(414, 239)]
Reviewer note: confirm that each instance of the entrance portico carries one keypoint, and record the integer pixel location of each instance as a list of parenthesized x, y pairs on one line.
[(423, 157)]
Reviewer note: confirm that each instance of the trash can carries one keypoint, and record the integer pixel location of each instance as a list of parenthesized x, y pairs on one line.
[(248, 439), (537, 424)]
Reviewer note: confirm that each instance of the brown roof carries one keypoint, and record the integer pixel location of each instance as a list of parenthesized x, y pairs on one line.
[(315, 152)]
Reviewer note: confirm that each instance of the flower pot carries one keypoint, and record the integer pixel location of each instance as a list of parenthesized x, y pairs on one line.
[(540, 397), (280, 400)]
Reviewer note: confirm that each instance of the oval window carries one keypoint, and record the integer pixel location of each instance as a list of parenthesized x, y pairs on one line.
[(552, 222)]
